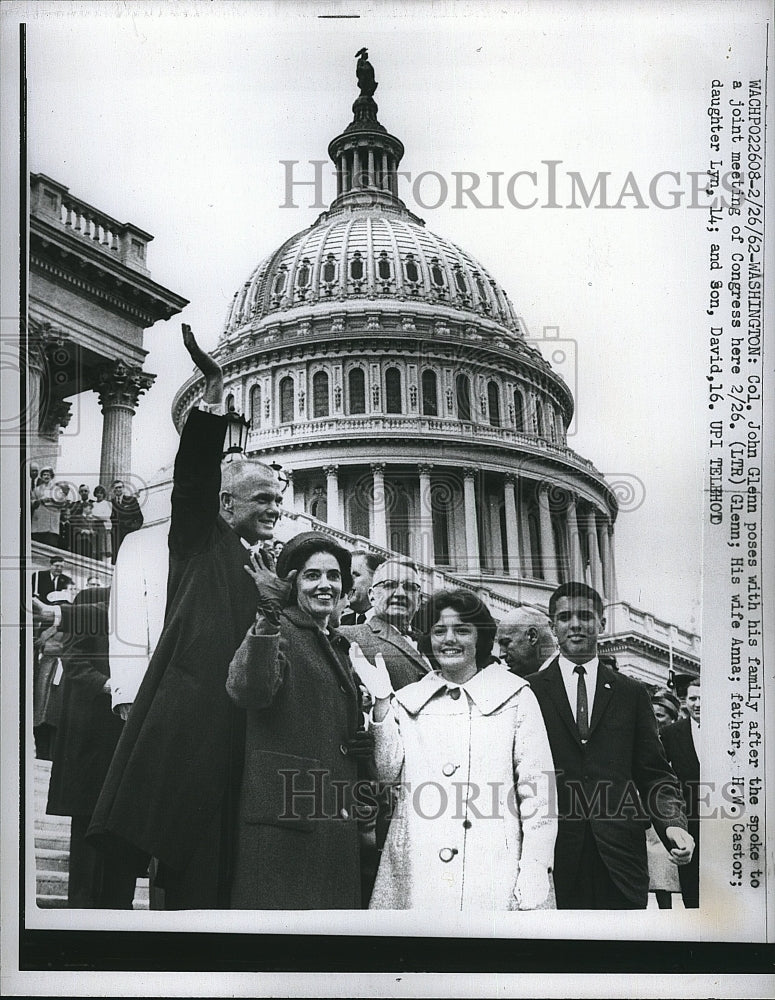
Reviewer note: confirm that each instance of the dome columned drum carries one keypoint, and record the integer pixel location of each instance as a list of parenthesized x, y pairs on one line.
[(386, 370)]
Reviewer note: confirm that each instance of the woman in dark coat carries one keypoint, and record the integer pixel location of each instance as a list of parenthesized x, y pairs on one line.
[(86, 738), (298, 842)]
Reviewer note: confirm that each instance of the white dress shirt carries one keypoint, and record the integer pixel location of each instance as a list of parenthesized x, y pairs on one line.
[(694, 727), (571, 681)]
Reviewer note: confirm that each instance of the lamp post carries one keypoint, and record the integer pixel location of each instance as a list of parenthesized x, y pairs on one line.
[(236, 434)]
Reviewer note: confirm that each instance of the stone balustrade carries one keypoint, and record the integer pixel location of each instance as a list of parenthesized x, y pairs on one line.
[(410, 426), (52, 202)]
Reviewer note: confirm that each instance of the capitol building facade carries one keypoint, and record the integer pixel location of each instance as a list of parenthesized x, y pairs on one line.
[(387, 372), (381, 366)]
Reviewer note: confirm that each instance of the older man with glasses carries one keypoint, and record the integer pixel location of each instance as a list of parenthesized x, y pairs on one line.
[(395, 597)]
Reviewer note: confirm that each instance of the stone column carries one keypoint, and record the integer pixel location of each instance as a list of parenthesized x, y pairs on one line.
[(525, 545), (119, 386), (425, 552), (473, 563), (575, 562), (512, 527), (378, 505), (345, 172), (46, 413), (595, 569), (371, 178), (385, 177), (334, 513), (607, 559), (548, 555)]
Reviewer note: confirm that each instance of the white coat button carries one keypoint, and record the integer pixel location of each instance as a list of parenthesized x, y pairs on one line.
[(448, 770), (344, 814), (447, 853)]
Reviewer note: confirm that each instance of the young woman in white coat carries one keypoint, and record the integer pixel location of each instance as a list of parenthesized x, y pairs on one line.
[(474, 827)]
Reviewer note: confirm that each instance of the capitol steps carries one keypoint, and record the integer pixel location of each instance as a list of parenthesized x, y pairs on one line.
[(52, 850)]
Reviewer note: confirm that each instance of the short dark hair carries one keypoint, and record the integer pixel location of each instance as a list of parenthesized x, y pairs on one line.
[(472, 611), (99, 488), (694, 682), (54, 559), (298, 550), (372, 559), (575, 588)]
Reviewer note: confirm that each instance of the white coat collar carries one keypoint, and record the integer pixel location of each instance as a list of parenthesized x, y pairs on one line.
[(488, 689)]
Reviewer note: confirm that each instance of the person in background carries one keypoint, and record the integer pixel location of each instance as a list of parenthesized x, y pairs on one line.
[(663, 873), (612, 775), (103, 511), (525, 639), (84, 531), (126, 516), (682, 745), (364, 565), (395, 596), (469, 724), (53, 580), (86, 738), (71, 511), (47, 502)]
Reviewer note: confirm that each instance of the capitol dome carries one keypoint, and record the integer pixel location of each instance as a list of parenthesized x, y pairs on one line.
[(364, 252), (386, 371)]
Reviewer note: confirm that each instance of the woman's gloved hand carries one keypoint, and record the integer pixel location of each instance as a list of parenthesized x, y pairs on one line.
[(373, 676)]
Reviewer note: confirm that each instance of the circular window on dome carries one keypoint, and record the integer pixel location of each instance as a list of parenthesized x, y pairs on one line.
[(411, 269), (460, 281), (437, 275), (279, 281)]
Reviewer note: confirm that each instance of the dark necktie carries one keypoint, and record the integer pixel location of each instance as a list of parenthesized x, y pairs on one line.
[(360, 617), (582, 707)]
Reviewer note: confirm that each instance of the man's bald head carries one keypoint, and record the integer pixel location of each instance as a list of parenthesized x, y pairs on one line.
[(525, 638), (251, 498)]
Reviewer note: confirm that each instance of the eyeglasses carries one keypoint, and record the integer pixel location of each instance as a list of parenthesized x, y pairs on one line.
[(408, 586)]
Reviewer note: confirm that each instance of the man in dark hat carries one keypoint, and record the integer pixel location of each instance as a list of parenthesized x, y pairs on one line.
[(171, 791)]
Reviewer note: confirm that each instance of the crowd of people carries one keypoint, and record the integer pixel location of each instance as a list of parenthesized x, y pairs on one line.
[(298, 726), (86, 524)]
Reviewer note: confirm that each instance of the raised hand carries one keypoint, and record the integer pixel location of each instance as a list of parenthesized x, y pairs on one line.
[(273, 593), (207, 365), (373, 676), (532, 885)]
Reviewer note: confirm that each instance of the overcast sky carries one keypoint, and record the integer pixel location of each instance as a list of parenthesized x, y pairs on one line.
[(177, 121)]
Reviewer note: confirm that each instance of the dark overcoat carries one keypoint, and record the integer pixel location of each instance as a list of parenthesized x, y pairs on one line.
[(679, 747), (298, 845), (88, 730), (615, 784), (171, 789)]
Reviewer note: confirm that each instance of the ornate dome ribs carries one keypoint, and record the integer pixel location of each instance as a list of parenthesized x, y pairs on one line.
[(362, 254)]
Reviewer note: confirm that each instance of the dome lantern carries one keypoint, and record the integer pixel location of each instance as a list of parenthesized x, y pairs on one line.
[(366, 155)]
